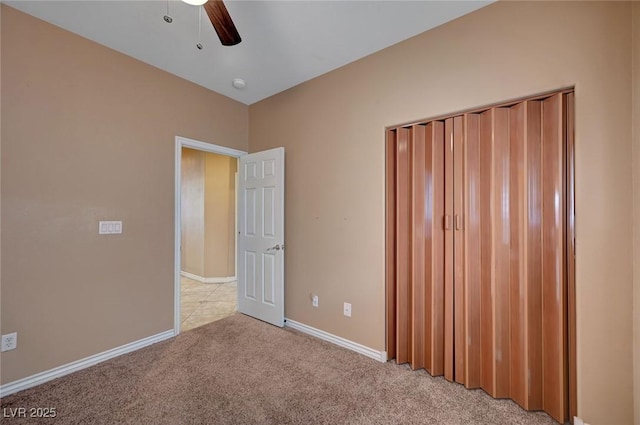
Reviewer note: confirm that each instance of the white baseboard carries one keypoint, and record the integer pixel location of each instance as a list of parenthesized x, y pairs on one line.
[(48, 375), (578, 421), (380, 356), (208, 279)]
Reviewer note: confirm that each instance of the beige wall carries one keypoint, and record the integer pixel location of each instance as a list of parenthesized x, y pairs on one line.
[(88, 135), (333, 130), (636, 206)]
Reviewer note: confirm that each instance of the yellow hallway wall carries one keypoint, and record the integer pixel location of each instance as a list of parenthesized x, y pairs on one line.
[(219, 223), (332, 128), (88, 135), (208, 214), (192, 211)]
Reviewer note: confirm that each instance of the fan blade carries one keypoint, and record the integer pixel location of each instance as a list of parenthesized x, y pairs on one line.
[(222, 22)]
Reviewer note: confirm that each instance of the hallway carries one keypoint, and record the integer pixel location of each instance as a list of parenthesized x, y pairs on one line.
[(202, 303)]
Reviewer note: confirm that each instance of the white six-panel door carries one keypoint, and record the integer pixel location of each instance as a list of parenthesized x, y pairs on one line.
[(261, 236)]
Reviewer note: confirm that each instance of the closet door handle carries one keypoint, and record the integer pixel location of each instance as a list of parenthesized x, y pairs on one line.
[(458, 222), (447, 222)]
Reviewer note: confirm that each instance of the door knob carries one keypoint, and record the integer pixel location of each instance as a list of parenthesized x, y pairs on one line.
[(276, 247)]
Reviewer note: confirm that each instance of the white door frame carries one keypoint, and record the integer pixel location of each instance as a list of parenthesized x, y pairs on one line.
[(183, 142)]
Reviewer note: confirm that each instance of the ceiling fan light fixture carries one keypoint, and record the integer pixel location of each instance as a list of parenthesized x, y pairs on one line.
[(195, 2)]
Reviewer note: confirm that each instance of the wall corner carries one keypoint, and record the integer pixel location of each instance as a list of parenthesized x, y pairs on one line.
[(635, 132)]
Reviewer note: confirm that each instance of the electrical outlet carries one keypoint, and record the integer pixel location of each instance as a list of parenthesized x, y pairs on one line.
[(314, 300), (9, 342), (347, 309)]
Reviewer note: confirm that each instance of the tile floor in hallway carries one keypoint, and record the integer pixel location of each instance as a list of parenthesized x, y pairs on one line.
[(202, 303)]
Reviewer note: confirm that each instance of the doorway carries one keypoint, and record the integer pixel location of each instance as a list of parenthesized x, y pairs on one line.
[(208, 290), (480, 250), (205, 222)]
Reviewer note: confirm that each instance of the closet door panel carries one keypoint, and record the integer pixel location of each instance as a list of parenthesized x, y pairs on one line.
[(525, 307), (495, 251), (553, 267), (571, 253), (502, 248), (390, 252), (472, 242), (435, 195), (415, 255), (486, 252), (403, 245), (518, 299), (419, 259), (459, 296), (532, 256), (449, 359)]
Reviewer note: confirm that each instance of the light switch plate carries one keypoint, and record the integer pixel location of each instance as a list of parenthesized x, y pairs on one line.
[(110, 227)]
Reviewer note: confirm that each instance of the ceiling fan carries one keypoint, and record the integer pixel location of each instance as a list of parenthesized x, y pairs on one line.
[(220, 19)]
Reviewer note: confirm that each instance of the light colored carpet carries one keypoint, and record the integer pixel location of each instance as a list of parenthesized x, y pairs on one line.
[(242, 371)]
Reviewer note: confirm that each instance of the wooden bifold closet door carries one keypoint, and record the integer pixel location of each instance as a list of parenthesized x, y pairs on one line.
[(480, 251)]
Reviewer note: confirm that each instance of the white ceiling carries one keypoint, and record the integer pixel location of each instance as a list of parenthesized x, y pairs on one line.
[(284, 43)]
